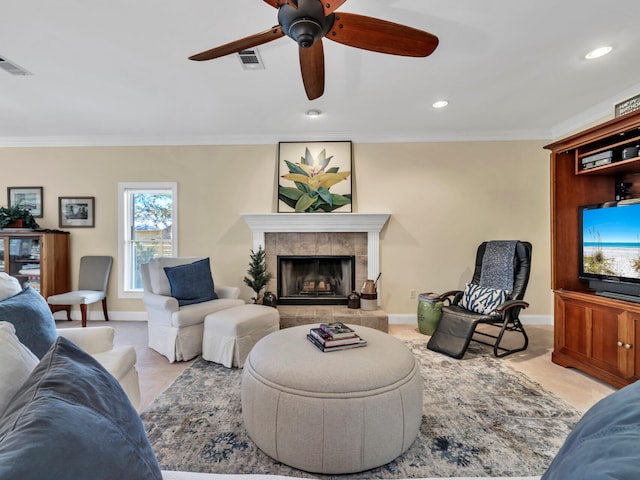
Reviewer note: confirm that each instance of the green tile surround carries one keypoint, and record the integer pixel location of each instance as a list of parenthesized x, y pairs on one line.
[(292, 315)]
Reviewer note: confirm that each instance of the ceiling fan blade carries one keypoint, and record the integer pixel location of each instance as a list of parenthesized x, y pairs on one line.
[(331, 5), (279, 3), (239, 45), (312, 68), (381, 36)]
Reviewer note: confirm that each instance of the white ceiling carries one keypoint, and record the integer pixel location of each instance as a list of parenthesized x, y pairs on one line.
[(116, 73)]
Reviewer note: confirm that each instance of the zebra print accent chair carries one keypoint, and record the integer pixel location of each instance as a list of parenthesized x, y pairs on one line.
[(457, 327)]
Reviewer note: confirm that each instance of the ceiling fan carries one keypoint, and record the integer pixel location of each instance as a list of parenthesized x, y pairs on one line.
[(307, 21)]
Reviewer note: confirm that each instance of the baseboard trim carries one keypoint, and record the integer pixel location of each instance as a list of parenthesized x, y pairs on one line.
[(120, 316), (411, 318), (394, 318)]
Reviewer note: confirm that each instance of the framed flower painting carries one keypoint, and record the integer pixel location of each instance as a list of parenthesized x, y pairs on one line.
[(314, 177)]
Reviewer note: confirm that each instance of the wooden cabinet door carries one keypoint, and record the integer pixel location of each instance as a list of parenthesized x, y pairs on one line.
[(628, 344), (605, 336), (588, 333)]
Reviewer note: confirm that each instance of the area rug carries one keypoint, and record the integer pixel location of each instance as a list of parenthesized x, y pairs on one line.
[(480, 418)]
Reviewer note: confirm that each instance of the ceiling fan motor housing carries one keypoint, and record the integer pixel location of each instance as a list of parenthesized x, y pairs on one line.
[(306, 24)]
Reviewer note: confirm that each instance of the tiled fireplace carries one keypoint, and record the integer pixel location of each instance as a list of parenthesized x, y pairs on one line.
[(355, 234), (342, 235), (322, 244)]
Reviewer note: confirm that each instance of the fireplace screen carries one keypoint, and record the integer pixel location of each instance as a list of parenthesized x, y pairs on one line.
[(315, 280)]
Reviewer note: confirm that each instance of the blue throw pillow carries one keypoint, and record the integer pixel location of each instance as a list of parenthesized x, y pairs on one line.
[(191, 283), (605, 443), (482, 300), (32, 318), (72, 420)]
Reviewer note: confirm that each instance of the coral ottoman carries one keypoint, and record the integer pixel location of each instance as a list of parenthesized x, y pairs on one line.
[(230, 334), (331, 412)]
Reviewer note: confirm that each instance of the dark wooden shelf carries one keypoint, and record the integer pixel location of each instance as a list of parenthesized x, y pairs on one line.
[(621, 167)]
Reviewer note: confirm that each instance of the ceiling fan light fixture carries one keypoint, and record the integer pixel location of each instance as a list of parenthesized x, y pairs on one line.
[(305, 31), (598, 52), (440, 104), (313, 113), (305, 24)]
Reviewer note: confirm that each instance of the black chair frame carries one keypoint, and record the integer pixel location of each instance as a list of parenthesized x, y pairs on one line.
[(505, 319)]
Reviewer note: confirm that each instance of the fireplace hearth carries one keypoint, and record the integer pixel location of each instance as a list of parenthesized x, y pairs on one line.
[(315, 280)]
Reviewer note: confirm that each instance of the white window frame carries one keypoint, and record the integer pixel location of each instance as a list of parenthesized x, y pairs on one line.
[(124, 228)]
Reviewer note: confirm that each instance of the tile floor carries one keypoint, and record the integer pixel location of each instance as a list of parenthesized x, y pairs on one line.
[(579, 389)]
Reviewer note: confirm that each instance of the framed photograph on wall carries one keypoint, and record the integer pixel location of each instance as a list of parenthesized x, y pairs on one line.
[(26, 197), (314, 177), (76, 212)]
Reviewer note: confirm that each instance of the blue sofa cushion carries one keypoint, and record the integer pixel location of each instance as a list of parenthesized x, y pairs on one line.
[(71, 420), (32, 318), (191, 283), (605, 443)]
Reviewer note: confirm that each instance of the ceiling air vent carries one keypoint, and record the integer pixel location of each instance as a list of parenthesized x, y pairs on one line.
[(12, 68), (250, 59)]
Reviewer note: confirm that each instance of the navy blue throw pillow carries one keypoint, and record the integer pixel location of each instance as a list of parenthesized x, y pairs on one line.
[(31, 316), (191, 283), (72, 420)]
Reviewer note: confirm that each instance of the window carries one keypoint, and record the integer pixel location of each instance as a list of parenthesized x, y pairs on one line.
[(147, 228)]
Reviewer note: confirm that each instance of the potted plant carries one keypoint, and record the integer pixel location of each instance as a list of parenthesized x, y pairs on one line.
[(259, 276), (17, 217)]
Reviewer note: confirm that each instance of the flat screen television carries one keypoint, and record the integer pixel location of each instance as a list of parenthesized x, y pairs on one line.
[(610, 248)]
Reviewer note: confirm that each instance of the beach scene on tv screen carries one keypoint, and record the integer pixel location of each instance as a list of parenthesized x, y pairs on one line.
[(611, 241)]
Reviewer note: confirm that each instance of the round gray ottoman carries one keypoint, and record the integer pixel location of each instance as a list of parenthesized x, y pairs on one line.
[(335, 412)]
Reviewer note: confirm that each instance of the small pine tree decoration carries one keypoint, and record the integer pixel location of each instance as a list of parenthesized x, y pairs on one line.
[(259, 276)]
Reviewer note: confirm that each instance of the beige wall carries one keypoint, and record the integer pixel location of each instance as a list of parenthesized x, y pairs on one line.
[(445, 198)]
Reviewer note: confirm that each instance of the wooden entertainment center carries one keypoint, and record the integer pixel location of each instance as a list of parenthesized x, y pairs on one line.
[(597, 335)]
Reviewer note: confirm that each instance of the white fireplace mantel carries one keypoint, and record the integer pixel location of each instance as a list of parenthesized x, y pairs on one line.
[(371, 223)]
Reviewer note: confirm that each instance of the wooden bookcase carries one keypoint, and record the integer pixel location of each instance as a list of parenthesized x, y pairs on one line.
[(38, 259), (597, 335)]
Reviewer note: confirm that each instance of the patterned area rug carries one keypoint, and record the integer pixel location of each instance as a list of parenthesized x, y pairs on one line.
[(480, 418)]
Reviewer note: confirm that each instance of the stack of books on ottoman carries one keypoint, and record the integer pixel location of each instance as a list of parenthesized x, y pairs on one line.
[(330, 337)]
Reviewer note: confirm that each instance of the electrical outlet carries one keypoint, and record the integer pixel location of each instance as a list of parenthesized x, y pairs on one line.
[(412, 293)]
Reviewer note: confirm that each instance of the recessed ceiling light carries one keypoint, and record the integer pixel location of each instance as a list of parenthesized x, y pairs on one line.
[(314, 113), (440, 104), (598, 52)]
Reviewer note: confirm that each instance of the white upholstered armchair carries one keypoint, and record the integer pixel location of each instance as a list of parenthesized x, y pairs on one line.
[(118, 361), (176, 331)]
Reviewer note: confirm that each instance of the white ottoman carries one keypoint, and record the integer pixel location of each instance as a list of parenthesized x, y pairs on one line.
[(335, 412), (230, 334)]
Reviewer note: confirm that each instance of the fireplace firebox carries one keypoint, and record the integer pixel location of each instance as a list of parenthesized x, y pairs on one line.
[(315, 280)]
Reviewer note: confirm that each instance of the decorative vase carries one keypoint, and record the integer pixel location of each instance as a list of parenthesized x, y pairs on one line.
[(353, 300), (429, 313), (269, 299)]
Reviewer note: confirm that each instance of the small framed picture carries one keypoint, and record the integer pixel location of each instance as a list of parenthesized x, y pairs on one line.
[(77, 212), (29, 198)]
